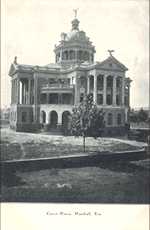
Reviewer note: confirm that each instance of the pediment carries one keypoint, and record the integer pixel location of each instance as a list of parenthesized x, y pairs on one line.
[(112, 63), (12, 70)]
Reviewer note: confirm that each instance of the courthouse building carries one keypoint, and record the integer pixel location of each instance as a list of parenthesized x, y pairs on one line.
[(42, 97)]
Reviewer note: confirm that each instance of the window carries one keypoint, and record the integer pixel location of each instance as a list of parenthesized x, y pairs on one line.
[(109, 82), (100, 82), (53, 98), (119, 119), (66, 98), (109, 119), (117, 100), (43, 98), (99, 99), (24, 117), (118, 83), (109, 99)]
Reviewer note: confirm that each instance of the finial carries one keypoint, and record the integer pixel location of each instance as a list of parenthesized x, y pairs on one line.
[(15, 60), (75, 12), (110, 52)]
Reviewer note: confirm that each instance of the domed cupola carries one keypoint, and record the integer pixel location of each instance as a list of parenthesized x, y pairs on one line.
[(74, 47)]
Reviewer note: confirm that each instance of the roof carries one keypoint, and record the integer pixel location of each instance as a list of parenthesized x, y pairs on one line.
[(112, 63)]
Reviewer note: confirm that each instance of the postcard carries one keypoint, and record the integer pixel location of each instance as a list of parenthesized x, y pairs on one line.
[(75, 115)]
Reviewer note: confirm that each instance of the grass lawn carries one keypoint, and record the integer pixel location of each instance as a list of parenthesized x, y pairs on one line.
[(26, 145), (115, 183)]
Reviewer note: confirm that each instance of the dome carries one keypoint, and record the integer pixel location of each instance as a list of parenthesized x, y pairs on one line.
[(74, 47), (76, 35)]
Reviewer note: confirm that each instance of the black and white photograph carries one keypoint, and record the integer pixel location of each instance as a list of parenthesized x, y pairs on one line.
[(75, 103)]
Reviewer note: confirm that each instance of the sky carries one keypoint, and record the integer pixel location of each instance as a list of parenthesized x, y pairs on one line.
[(31, 28)]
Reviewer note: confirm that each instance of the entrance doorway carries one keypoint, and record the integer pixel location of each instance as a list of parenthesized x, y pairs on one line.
[(53, 119)]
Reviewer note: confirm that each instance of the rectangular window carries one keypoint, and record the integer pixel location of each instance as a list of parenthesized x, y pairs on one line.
[(53, 98), (109, 99), (99, 99), (24, 117), (66, 98)]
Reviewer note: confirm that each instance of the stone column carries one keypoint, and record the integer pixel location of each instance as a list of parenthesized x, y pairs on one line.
[(11, 91), (47, 118), (60, 98), (26, 91), (47, 98), (123, 91), (59, 119), (60, 59), (22, 92), (18, 91), (76, 54), (14, 91), (35, 98), (104, 89), (129, 95), (76, 91), (88, 84), (29, 91), (95, 89), (114, 90)]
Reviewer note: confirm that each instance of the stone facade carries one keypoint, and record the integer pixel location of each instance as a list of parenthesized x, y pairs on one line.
[(42, 97)]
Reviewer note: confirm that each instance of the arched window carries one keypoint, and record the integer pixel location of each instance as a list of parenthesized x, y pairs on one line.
[(119, 119), (110, 119)]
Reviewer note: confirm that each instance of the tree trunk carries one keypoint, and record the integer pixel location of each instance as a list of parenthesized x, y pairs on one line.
[(84, 143)]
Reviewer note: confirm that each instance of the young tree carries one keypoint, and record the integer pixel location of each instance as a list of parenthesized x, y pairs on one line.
[(142, 115), (87, 119)]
